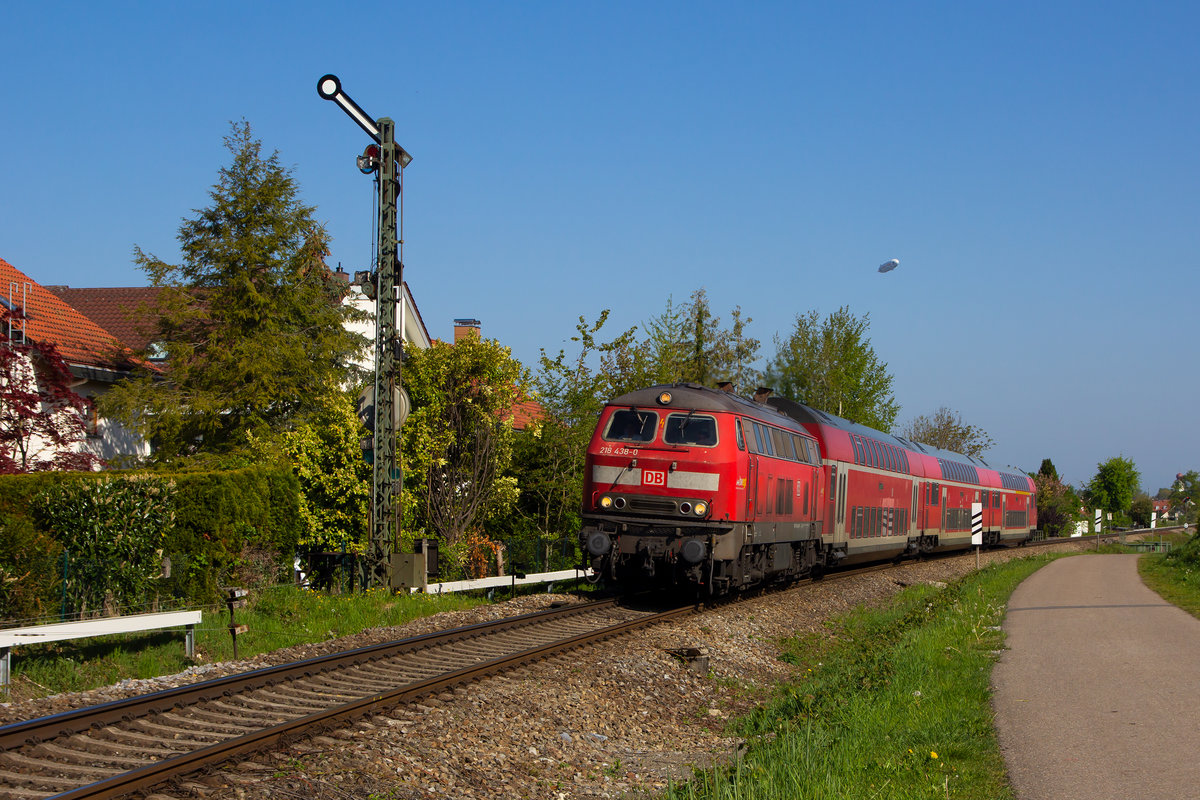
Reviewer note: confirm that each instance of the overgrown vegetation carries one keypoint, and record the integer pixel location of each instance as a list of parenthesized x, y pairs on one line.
[(108, 535), (111, 531), (890, 702)]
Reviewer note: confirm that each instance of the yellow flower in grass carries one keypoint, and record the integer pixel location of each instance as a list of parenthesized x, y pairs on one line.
[(932, 754)]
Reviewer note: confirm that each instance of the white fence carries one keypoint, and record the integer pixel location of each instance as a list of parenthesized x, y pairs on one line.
[(58, 631), (507, 580)]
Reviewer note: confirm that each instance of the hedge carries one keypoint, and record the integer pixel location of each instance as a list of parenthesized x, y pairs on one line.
[(230, 528)]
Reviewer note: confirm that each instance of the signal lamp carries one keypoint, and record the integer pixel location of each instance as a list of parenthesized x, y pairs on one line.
[(368, 162)]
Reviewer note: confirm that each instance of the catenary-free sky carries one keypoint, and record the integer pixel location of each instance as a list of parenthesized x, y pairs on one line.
[(1034, 166)]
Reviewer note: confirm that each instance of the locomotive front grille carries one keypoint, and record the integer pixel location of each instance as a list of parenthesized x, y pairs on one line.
[(652, 505)]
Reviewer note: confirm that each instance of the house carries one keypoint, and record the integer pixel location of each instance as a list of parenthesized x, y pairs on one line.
[(412, 327), (95, 357), (123, 311)]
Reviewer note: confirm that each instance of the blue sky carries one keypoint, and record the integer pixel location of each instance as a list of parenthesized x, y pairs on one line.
[(1033, 165)]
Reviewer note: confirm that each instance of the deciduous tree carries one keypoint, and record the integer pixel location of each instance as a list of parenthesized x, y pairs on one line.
[(41, 416), (251, 320), (1114, 484), (326, 454), (458, 439), (945, 429), (1057, 504), (1185, 495), (830, 365)]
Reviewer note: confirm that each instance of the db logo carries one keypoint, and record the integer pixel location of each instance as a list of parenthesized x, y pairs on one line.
[(650, 478)]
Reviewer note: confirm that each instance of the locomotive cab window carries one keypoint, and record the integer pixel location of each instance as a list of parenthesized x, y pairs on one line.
[(631, 425), (691, 429)]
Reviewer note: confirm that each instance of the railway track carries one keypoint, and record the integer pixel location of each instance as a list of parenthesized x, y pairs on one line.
[(128, 746)]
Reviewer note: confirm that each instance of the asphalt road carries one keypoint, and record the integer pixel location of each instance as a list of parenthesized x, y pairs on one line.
[(1098, 695)]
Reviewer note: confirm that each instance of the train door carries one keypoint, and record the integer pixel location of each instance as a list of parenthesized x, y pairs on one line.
[(837, 501), (912, 519), (752, 488)]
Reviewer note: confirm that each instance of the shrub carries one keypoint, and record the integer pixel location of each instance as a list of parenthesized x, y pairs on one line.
[(111, 530)]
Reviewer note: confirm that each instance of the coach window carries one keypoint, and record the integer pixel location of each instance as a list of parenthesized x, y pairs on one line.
[(751, 442), (691, 429), (782, 448), (631, 425), (768, 448), (737, 428)]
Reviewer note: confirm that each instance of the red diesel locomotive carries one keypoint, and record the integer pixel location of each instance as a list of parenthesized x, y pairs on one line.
[(690, 485)]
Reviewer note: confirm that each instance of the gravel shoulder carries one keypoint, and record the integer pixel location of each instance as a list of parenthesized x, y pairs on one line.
[(616, 720)]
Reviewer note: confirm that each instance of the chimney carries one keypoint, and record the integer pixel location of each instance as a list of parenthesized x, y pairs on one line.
[(464, 328)]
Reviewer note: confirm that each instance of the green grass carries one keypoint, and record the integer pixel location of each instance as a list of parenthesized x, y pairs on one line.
[(278, 617), (1175, 577), (891, 703)]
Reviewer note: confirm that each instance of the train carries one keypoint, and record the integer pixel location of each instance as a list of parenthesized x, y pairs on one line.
[(703, 489)]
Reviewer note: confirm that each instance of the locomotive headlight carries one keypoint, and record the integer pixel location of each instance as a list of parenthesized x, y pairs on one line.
[(664, 398), (606, 502), (701, 508)]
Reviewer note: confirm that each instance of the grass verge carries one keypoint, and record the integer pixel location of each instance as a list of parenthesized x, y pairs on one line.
[(1175, 576), (892, 702), (277, 617)]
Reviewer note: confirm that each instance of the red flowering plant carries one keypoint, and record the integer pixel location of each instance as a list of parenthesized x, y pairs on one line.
[(41, 416)]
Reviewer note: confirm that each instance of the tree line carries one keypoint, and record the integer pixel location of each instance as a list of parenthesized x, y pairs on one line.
[(259, 368)]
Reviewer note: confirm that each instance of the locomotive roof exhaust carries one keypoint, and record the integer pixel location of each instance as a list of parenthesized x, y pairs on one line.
[(761, 394)]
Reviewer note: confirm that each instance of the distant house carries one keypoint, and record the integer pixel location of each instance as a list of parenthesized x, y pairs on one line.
[(95, 357)]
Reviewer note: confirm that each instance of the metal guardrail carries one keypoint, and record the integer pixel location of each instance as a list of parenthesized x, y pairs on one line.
[(104, 626), (1150, 547)]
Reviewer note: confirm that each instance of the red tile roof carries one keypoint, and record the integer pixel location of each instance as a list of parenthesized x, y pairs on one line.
[(525, 412), (122, 311), (50, 319)]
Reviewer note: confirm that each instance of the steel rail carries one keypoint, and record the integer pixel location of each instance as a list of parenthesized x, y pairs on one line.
[(157, 773), (19, 734)]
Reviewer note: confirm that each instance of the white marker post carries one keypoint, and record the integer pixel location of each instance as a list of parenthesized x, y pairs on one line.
[(1098, 512), (977, 529)]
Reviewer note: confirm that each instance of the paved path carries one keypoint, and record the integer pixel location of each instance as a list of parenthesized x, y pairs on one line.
[(1098, 695)]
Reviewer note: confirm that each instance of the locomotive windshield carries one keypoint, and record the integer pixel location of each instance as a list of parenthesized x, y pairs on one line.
[(692, 429), (631, 425)]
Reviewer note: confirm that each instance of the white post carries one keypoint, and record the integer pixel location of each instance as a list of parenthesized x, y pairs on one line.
[(977, 529)]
